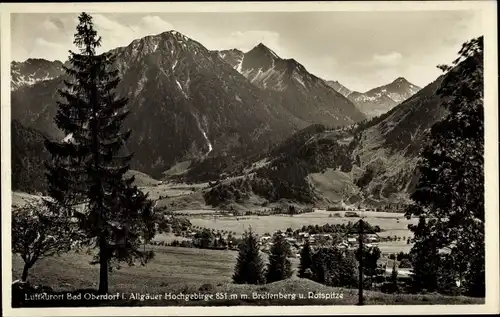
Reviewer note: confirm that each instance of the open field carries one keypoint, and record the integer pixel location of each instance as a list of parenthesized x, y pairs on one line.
[(171, 265), (165, 190), (190, 203), (392, 223), (189, 270), (141, 179)]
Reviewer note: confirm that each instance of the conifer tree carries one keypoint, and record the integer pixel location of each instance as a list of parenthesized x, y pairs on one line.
[(279, 267), (450, 191), (394, 277), (305, 260), (87, 168), (249, 267)]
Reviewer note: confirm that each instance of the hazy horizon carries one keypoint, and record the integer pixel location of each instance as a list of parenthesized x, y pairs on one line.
[(366, 52)]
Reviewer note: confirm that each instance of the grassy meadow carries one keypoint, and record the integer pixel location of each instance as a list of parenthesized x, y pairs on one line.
[(191, 270), (186, 270)]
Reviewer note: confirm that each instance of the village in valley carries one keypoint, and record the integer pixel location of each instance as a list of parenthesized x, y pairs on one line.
[(178, 229), (161, 165)]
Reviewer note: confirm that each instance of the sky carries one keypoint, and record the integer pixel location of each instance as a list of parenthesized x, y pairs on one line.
[(361, 50)]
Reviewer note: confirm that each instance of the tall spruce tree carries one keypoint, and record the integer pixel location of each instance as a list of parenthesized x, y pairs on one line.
[(86, 172), (450, 191), (305, 260), (249, 267), (279, 267)]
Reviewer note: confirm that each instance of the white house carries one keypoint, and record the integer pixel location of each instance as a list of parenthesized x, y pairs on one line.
[(352, 240), (264, 239), (402, 272), (343, 245)]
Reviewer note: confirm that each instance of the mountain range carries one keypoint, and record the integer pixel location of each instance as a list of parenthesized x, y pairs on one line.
[(259, 125), (34, 70), (187, 103), (305, 95), (372, 163), (379, 100)]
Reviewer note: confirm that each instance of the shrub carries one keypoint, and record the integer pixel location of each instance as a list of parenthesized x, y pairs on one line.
[(333, 267), (405, 263), (206, 288)]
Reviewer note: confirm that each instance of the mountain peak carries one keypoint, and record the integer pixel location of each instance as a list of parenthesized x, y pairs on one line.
[(171, 35), (401, 80), (263, 49), (174, 33), (381, 99)]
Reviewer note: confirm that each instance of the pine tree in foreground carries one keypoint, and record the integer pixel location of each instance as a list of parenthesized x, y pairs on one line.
[(279, 267), (305, 260), (450, 191), (249, 267), (86, 173)]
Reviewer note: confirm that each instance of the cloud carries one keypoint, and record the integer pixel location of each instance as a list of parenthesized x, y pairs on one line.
[(391, 59), (248, 39), (49, 25), (49, 50), (59, 23), (155, 24), (104, 24), (325, 67), (115, 34), (242, 40)]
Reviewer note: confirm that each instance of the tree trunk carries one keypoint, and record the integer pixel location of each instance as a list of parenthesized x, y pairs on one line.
[(104, 268), (24, 277), (361, 285)]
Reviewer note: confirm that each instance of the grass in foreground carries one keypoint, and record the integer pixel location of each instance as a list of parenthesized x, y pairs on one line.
[(189, 271)]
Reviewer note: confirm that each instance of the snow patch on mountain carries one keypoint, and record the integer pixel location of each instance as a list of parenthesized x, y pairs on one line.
[(238, 67), (32, 71), (296, 76), (140, 84), (182, 90), (209, 144)]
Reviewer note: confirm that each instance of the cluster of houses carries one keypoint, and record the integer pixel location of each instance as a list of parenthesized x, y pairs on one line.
[(315, 240)]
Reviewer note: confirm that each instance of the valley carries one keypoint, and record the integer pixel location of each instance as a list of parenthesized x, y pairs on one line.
[(242, 171)]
